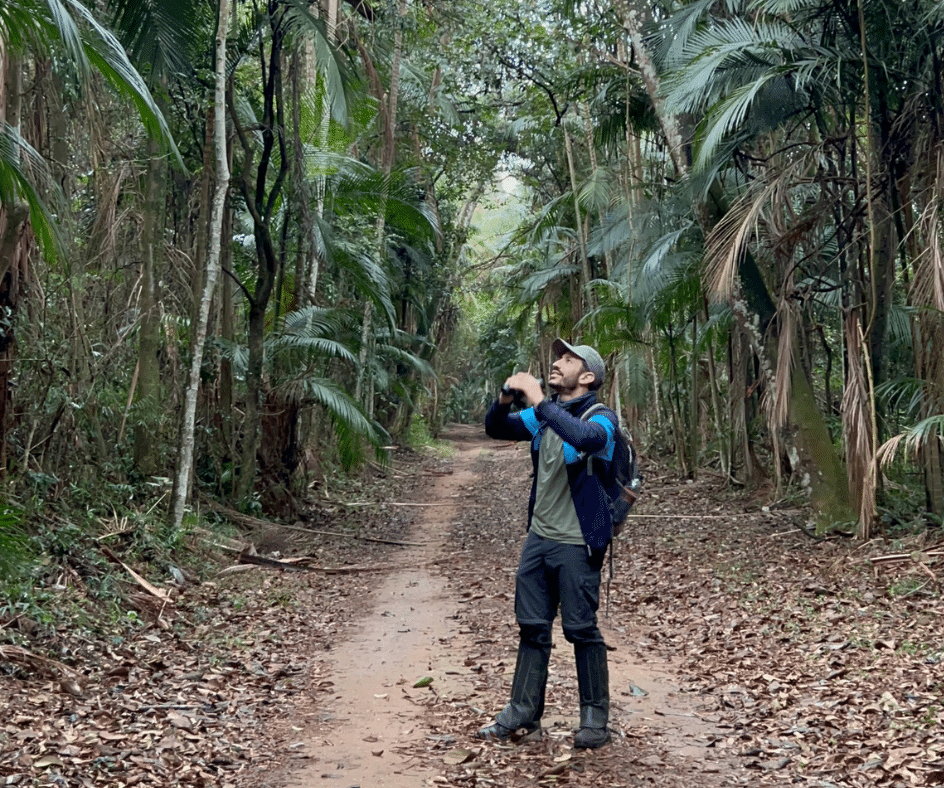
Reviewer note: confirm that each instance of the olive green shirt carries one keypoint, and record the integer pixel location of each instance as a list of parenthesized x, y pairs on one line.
[(554, 516)]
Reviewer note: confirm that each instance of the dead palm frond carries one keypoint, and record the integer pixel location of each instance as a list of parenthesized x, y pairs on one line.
[(928, 285), (728, 240), (914, 438), (857, 425)]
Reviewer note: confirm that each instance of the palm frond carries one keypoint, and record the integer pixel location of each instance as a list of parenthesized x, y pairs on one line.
[(236, 354), (351, 426), (404, 357), (315, 321), (597, 193), (723, 57), (533, 285), (331, 67), (729, 238), (614, 234), (728, 115), (311, 334), (671, 39), (311, 345), (928, 285), (905, 394), (105, 52), (637, 377), (350, 444), (160, 34), (22, 170), (914, 438), (549, 217), (46, 21), (661, 264), (368, 276)]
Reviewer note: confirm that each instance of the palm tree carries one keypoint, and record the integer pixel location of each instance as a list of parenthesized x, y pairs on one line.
[(793, 144), (69, 31)]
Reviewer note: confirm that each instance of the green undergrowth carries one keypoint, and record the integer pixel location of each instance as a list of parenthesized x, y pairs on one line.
[(420, 438), (69, 563), (67, 568)]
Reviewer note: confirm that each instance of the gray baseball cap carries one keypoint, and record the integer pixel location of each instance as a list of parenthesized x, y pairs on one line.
[(585, 353)]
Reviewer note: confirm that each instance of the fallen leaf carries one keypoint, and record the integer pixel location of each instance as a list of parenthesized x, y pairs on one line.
[(458, 755), (47, 760), (180, 721)]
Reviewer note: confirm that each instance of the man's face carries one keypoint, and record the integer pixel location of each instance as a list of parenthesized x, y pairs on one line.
[(566, 374)]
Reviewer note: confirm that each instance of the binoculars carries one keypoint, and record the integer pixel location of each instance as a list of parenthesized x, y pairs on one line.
[(517, 394)]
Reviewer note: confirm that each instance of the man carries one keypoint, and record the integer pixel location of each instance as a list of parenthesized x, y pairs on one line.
[(569, 529)]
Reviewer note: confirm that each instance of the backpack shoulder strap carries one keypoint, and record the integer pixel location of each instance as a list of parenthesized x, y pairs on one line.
[(596, 407)]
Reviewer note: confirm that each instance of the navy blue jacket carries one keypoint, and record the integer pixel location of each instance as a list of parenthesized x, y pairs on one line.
[(596, 437)]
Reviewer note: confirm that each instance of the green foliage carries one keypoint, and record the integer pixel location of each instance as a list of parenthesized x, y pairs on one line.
[(490, 347), (420, 437), (16, 553), (28, 184), (307, 341)]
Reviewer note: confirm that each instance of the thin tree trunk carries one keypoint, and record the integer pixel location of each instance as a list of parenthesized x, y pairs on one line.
[(152, 253), (635, 15), (740, 454), (261, 189), (227, 330), (694, 411), (202, 232), (868, 485), (182, 478), (583, 292), (306, 260), (321, 183)]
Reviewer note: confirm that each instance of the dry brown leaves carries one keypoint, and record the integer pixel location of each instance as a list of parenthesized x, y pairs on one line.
[(825, 665), (814, 664), (211, 691), (809, 664)]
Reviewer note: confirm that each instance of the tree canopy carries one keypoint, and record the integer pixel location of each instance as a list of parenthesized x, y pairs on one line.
[(737, 202)]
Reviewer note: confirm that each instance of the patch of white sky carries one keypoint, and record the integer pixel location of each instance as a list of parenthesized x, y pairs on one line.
[(500, 211)]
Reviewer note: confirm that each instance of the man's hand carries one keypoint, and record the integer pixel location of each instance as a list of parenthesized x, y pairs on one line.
[(528, 385)]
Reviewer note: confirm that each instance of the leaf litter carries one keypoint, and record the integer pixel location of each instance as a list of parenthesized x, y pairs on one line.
[(797, 662)]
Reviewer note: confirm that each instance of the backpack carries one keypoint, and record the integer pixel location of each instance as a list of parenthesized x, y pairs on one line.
[(623, 482)]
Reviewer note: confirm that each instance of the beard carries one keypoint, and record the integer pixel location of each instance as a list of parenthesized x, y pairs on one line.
[(563, 384)]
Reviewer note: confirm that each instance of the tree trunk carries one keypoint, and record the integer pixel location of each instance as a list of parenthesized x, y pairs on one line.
[(583, 300), (388, 117), (227, 328), (14, 246), (261, 201), (183, 475), (152, 254)]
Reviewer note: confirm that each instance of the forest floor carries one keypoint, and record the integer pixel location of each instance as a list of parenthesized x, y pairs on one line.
[(742, 652)]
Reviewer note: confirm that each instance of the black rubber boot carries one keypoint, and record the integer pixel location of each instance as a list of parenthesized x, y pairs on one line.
[(498, 732), (526, 707), (593, 680)]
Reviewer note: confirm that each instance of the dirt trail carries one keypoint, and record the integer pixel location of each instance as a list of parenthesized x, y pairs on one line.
[(375, 725), (408, 633)]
